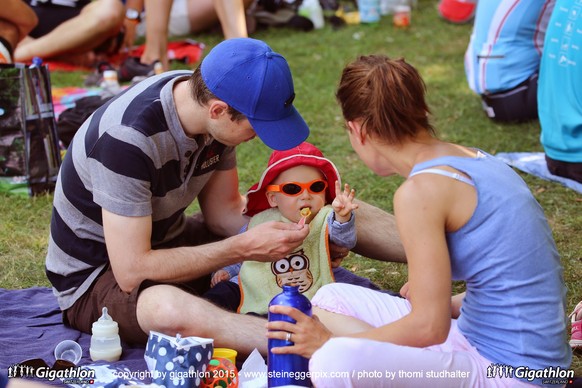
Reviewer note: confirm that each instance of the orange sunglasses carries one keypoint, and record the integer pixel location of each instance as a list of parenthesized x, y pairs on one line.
[(295, 188)]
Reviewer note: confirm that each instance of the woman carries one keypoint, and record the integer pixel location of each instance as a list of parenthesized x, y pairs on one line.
[(462, 215)]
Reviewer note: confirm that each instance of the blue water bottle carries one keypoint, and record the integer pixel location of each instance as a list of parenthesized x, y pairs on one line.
[(288, 369)]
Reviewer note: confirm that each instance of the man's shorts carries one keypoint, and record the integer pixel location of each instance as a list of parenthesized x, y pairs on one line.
[(121, 306), (565, 169), (519, 104)]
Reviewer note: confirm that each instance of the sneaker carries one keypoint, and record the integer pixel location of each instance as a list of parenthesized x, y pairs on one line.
[(96, 78), (576, 316), (132, 68)]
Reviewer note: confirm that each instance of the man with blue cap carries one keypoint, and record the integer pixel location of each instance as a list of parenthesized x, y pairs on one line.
[(119, 234)]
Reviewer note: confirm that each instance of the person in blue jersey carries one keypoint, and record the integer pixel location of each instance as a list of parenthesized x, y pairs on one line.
[(559, 99), (462, 215), (119, 236), (503, 56)]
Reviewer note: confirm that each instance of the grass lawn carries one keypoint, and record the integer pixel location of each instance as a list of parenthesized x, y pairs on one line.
[(316, 58)]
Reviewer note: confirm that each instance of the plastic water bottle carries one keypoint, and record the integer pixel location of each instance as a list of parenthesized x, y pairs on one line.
[(280, 365), (105, 341), (312, 10), (110, 84), (369, 11), (387, 6)]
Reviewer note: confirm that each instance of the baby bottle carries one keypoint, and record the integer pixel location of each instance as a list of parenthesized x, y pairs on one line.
[(105, 341)]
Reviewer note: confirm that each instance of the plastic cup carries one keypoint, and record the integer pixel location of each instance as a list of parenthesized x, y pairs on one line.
[(229, 354), (69, 350)]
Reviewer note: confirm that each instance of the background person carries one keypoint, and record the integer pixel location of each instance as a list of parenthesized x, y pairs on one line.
[(560, 107), (503, 56), (71, 31), (176, 17), (16, 20)]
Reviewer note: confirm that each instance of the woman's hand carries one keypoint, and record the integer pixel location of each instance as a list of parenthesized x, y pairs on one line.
[(308, 334)]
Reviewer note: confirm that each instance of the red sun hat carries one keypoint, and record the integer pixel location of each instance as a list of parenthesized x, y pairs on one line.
[(305, 154)]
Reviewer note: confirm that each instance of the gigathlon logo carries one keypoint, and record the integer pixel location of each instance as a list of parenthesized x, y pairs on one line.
[(65, 371)]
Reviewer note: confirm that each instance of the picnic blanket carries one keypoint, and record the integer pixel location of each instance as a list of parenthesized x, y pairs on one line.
[(186, 51), (534, 163), (31, 326), (65, 97)]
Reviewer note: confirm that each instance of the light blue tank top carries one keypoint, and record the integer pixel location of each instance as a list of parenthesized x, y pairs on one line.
[(514, 309)]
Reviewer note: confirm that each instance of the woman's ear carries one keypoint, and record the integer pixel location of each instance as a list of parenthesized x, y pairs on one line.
[(356, 130), (271, 198)]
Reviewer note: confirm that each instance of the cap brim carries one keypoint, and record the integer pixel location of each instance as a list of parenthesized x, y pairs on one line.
[(282, 134)]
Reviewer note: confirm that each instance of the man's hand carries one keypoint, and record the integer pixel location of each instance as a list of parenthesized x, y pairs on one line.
[(273, 240), (337, 254)]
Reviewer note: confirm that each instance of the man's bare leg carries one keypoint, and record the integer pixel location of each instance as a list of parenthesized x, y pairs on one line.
[(98, 21), (156, 44), (377, 234), (169, 310)]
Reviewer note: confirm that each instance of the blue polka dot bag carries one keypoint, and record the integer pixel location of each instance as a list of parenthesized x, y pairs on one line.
[(178, 361)]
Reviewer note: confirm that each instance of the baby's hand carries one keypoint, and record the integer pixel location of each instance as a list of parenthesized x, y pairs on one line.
[(343, 204), (219, 276)]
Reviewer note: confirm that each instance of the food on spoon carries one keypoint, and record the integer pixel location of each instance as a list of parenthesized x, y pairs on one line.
[(305, 212)]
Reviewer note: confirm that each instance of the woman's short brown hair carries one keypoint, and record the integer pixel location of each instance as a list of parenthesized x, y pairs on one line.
[(389, 95), (202, 94)]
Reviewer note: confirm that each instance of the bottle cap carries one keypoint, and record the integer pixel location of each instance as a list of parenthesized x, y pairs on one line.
[(105, 325), (110, 75)]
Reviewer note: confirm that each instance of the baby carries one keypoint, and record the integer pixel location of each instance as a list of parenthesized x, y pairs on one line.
[(298, 186)]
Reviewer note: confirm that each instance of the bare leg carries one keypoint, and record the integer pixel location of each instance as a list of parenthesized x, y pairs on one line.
[(204, 14), (340, 324), (377, 234), (156, 45), (169, 310), (9, 32), (231, 14), (16, 14), (97, 21)]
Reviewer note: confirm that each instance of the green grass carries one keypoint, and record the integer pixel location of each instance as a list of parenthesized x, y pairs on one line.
[(316, 58)]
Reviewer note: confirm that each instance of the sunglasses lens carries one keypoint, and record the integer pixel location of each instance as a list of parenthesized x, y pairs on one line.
[(317, 187), (291, 189), (63, 364)]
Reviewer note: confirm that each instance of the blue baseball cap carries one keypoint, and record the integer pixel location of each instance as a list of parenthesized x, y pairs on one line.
[(256, 81)]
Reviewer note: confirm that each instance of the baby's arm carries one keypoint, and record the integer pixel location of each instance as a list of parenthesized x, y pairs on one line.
[(225, 274)]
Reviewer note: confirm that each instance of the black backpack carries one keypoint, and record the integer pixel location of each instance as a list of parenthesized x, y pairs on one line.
[(71, 119)]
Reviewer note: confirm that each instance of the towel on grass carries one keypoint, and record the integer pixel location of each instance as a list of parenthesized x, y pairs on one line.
[(31, 326), (534, 163)]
